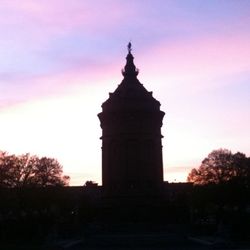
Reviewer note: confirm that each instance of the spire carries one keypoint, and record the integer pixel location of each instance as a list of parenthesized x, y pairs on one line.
[(129, 47), (130, 69)]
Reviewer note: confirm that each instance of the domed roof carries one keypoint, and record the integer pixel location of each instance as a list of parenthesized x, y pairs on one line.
[(130, 93)]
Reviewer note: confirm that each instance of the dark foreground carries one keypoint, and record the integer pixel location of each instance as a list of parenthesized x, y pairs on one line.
[(173, 238), (75, 218)]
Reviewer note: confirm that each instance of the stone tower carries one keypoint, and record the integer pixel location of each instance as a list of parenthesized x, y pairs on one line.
[(131, 122)]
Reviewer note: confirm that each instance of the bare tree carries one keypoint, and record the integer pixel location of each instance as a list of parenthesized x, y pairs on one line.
[(30, 170)]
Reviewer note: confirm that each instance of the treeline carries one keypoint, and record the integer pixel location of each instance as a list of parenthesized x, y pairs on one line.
[(30, 171)]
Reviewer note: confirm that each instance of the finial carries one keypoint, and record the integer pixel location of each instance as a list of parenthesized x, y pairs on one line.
[(129, 47), (130, 69)]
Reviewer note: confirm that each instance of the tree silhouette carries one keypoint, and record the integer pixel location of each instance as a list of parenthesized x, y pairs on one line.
[(30, 170), (221, 166), (90, 184)]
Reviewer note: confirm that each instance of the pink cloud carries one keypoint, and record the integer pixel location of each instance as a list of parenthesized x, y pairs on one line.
[(199, 62), (50, 17), (24, 87)]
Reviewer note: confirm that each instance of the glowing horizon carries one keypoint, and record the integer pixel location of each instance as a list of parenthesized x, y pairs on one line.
[(60, 60)]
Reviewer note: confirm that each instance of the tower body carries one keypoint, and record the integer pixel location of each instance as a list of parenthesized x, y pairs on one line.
[(131, 122)]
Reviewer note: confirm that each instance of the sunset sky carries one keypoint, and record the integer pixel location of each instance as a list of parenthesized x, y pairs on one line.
[(59, 59)]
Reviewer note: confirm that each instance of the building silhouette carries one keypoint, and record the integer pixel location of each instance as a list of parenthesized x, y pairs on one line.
[(131, 122)]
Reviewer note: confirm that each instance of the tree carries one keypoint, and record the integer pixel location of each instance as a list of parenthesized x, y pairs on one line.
[(48, 171), (90, 184), (221, 166), (30, 170)]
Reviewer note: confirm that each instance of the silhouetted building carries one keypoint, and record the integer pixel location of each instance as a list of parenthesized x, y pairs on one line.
[(131, 122)]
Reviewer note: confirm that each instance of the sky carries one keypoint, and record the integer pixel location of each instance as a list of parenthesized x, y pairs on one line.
[(59, 59)]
